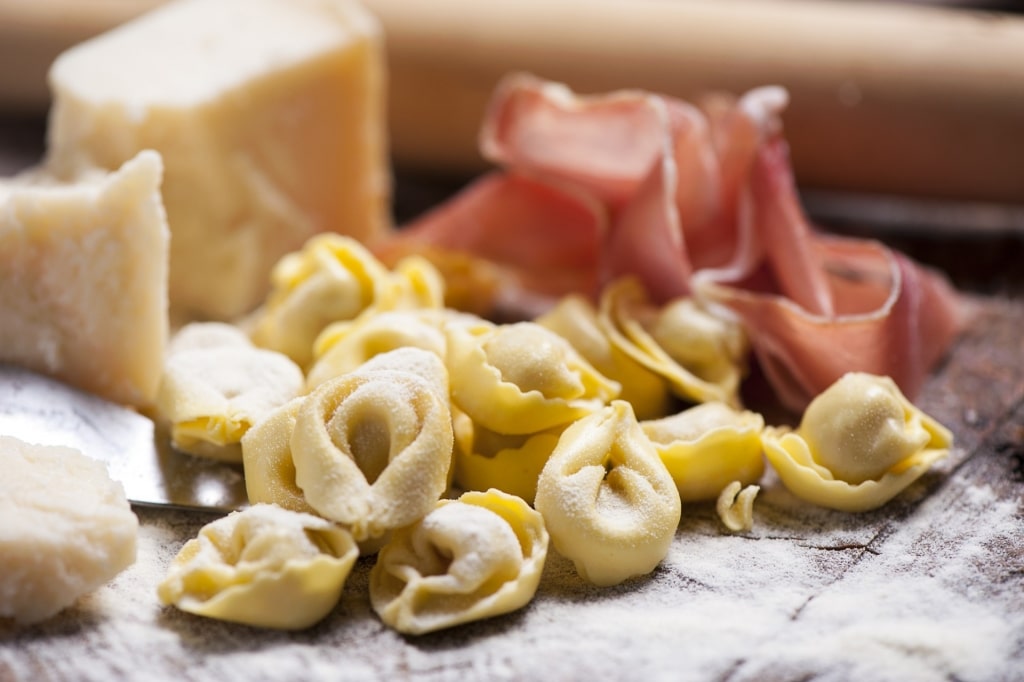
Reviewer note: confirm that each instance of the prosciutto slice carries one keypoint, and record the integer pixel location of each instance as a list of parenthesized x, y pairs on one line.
[(694, 201)]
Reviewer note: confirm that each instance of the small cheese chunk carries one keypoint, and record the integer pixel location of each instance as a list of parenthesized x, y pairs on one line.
[(270, 118), (83, 278), (65, 529)]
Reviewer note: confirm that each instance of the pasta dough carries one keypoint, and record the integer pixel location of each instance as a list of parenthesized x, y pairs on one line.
[(65, 529), (512, 463), (575, 319), (701, 355), (344, 346), (521, 378), (372, 449), (332, 278), (607, 499), (216, 385), (859, 444), (264, 566), (479, 556), (735, 506), (707, 446)]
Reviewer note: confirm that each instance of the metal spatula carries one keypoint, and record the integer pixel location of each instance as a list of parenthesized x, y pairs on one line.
[(38, 409)]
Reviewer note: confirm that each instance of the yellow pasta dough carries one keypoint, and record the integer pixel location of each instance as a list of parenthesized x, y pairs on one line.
[(607, 499), (735, 506), (575, 319), (521, 378), (344, 346), (859, 444), (707, 446), (267, 461), (372, 448), (264, 566), (700, 354), (512, 463), (332, 278), (479, 556), (216, 385)]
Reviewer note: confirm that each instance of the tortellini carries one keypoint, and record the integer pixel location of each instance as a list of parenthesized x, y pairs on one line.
[(575, 319), (343, 346), (335, 278), (267, 461), (216, 385), (607, 499), (479, 556), (521, 378), (707, 446), (701, 355), (859, 444), (264, 566), (332, 278), (372, 448), (267, 449), (512, 463)]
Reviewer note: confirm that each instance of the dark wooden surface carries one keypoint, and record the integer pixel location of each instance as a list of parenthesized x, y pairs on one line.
[(778, 591)]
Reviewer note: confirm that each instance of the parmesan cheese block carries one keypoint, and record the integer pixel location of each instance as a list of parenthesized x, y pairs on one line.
[(269, 115), (65, 529), (83, 278)]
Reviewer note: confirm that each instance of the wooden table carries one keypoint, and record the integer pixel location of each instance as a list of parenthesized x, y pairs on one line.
[(931, 587)]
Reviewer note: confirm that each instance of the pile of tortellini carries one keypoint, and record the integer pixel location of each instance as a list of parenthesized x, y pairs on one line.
[(361, 407)]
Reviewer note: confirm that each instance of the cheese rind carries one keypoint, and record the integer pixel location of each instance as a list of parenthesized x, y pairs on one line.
[(83, 278), (269, 116)]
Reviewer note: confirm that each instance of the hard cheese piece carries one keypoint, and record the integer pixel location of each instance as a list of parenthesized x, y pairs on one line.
[(269, 116), (83, 278), (65, 529)]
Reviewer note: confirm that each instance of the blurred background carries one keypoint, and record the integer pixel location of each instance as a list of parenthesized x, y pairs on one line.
[(906, 119)]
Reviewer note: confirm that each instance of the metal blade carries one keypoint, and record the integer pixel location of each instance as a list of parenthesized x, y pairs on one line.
[(39, 409)]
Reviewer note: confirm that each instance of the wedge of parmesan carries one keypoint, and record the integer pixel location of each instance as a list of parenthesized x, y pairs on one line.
[(83, 278), (269, 115)]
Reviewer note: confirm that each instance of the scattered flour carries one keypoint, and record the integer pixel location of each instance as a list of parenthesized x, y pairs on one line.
[(933, 597)]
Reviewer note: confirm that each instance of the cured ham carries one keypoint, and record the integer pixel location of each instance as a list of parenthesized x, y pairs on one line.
[(691, 199)]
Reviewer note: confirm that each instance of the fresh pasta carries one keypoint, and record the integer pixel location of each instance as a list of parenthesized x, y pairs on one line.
[(476, 557), (521, 378), (607, 499), (264, 566), (859, 444), (216, 385), (707, 446)]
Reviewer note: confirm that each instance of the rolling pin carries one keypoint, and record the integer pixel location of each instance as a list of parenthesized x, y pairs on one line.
[(884, 98)]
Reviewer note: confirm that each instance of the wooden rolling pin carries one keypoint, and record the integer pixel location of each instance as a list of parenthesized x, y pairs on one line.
[(885, 98)]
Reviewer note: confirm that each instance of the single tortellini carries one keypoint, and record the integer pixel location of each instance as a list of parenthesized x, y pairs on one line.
[(267, 448), (216, 385), (859, 444), (511, 463), (521, 378), (707, 446), (344, 346), (263, 566), (332, 278), (607, 499), (575, 319), (702, 355), (479, 556), (372, 448)]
